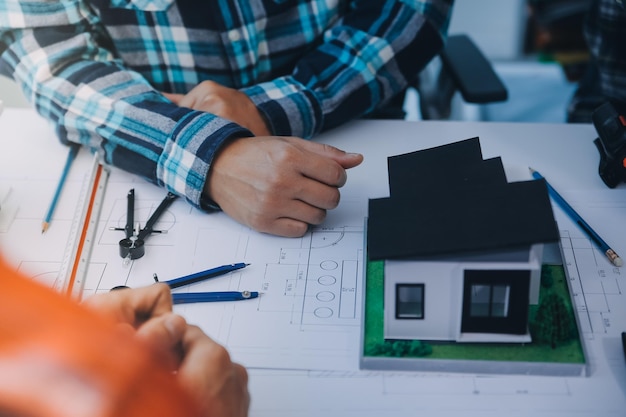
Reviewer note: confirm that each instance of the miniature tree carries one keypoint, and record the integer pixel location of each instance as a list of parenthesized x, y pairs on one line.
[(552, 324)]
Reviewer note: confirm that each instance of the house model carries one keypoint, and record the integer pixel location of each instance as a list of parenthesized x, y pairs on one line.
[(462, 247)]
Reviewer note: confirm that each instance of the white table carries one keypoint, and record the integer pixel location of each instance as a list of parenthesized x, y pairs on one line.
[(31, 161)]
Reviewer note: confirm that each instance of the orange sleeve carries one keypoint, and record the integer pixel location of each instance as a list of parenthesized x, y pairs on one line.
[(57, 358)]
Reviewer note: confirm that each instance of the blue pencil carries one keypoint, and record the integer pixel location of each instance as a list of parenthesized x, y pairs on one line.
[(569, 210), (203, 275), (208, 297), (74, 148)]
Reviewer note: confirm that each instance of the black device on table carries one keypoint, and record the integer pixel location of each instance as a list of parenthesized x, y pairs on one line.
[(611, 143)]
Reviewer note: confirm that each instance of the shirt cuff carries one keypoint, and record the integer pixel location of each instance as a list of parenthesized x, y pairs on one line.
[(187, 156), (289, 108)]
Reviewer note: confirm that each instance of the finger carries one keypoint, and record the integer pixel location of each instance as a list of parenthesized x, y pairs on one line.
[(133, 306), (126, 329), (164, 334), (306, 202), (175, 98), (287, 227), (325, 163), (345, 159), (152, 301), (351, 160), (200, 350), (190, 100), (219, 385), (201, 97), (305, 158), (324, 170), (293, 220), (316, 194)]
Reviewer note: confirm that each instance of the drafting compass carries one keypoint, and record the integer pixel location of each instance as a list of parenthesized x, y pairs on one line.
[(133, 245)]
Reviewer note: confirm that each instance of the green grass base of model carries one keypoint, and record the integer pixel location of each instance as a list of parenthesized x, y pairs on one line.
[(552, 325)]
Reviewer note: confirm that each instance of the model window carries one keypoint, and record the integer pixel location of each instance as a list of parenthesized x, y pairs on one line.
[(489, 300), (409, 301)]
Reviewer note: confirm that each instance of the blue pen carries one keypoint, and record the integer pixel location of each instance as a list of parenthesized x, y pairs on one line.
[(569, 210), (208, 297), (202, 275)]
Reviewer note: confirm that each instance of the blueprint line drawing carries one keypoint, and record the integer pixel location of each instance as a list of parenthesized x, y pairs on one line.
[(311, 286), (300, 339), (596, 284)]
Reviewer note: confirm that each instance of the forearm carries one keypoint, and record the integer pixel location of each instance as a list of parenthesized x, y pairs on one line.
[(365, 59), (94, 100)]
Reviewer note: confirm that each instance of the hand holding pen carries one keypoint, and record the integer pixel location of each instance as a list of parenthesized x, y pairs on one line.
[(199, 362)]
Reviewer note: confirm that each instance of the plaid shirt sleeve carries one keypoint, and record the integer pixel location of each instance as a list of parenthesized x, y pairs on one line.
[(605, 31), (98, 80), (366, 58), (56, 52)]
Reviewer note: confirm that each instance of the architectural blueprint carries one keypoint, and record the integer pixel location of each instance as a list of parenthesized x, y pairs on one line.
[(308, 315), (598, 292), (300, 339), (598, 287)]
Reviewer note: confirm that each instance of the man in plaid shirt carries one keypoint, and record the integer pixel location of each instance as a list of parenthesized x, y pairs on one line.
[(214, 99)]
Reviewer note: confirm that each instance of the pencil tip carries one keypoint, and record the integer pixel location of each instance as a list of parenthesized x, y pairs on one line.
[(44, 227)]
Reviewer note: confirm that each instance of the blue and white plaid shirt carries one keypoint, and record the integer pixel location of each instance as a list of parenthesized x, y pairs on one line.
[(96, 69), (605, 31)]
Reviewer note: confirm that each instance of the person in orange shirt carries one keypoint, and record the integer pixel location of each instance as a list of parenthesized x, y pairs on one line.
[(122, 353)]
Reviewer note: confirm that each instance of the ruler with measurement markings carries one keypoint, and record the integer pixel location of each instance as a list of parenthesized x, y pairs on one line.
[(81, 240)]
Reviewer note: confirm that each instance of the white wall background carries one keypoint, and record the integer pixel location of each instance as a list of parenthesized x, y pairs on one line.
[(538, 91), (496, 26)]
